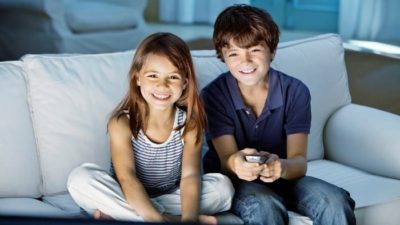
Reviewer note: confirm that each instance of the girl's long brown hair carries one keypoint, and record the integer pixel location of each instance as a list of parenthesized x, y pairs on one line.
[(176, 50)]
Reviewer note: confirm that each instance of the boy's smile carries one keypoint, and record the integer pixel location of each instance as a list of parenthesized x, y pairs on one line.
[(248, 65)]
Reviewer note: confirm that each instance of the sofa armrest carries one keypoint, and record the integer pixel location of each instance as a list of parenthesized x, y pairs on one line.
[(364, 138)]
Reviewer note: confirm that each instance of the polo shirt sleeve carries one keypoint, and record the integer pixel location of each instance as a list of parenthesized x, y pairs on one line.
[(219, 112), (298, 111)]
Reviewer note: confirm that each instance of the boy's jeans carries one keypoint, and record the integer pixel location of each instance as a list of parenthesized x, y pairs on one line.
[(267, 203)]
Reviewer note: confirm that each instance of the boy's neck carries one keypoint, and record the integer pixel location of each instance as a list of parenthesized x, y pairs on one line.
[(255, 96), (260, 87)]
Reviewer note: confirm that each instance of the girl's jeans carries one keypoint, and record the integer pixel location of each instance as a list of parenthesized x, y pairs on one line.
[(267, 203)]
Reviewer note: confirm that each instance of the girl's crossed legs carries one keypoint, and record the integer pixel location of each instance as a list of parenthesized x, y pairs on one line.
[(93, 189)]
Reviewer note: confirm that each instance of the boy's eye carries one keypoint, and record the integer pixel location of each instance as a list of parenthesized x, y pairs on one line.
[(232, 55)]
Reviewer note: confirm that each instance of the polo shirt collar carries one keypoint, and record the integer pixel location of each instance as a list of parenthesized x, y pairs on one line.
[(274, 100)]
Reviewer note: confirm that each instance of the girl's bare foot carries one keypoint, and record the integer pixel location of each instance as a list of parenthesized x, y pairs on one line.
[(209, 220), (100, 215)]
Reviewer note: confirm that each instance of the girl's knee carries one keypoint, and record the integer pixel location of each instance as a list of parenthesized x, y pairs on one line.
[(219, 190), (222, 184), (81, 175)]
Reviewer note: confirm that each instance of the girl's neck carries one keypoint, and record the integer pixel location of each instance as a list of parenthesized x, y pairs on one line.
[(162, 117), (160, 124)]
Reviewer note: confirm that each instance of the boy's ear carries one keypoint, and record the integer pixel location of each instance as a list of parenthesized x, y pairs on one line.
[(273, 56)]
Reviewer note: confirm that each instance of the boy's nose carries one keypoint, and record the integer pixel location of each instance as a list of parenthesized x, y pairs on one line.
[(247, 57)]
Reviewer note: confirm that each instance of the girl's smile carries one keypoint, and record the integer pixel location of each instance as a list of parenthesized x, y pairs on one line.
[(161, 83)]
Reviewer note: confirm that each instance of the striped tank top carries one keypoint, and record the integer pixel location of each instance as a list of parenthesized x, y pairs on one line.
[(158, 166)]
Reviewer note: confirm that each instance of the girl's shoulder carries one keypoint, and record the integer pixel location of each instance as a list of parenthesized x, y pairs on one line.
[(180, 117), (118, 124)]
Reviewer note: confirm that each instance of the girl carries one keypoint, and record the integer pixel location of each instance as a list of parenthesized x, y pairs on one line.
[(156, 135)]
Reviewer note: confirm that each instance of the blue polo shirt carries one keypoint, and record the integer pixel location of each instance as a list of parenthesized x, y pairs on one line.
[(286, 111)]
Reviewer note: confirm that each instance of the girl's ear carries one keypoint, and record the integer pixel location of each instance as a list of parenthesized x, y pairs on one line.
[(138, 82), (185, 84)]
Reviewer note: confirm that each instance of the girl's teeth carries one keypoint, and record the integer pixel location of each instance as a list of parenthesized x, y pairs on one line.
[(161, 96)]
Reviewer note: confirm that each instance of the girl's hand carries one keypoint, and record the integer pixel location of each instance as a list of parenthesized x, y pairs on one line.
[(246, 170), (272, 169)]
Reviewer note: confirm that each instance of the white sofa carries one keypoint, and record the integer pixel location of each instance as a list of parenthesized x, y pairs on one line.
[(70, 26), (54, 110)]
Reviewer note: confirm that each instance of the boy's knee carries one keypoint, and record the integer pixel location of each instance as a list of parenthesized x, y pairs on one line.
[(259, 208)]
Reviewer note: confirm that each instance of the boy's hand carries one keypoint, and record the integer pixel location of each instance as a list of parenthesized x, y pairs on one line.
[(272, 169), (246, 170)]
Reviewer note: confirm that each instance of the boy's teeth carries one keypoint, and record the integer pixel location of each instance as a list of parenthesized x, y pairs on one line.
[(247, 71)]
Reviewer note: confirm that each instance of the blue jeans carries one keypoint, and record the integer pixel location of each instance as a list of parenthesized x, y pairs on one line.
[(259, 203)]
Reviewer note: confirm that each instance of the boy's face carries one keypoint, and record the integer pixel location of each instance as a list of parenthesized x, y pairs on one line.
[(248, 65)]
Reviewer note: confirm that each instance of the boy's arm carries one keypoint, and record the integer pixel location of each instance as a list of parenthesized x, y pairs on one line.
[(232, 160), (293, 167), (124, 166), (190, 185)]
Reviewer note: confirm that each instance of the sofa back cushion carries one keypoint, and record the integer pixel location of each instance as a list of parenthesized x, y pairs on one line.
[(317, 61), (71, 98), (19, 167)]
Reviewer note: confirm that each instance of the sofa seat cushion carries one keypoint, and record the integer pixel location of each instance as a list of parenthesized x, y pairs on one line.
[(65, 202), (17, 143), (98, 16), (28, 207), (365, 188), (370, 192)]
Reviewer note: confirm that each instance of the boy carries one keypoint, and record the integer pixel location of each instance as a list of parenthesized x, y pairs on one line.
[(255, 110)]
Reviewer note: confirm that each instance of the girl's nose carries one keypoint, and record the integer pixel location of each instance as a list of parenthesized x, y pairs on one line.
[(162, 83)]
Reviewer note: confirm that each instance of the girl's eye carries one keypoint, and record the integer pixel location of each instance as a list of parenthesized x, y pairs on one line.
[(175, 77), (151, 75)]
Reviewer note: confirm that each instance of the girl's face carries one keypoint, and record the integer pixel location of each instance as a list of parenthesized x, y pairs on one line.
[(248, 65), (160, 82)]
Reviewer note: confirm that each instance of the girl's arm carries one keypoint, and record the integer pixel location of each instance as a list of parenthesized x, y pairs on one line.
[(124, 166), (191, 178)]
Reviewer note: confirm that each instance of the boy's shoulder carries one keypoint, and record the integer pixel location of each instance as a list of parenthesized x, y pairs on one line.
[(288, 80), (218, 84)]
